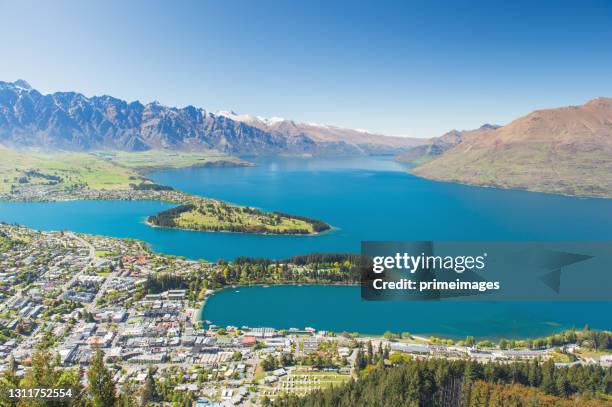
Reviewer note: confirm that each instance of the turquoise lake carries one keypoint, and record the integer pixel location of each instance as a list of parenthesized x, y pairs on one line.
[(339, 308), (364, 199)]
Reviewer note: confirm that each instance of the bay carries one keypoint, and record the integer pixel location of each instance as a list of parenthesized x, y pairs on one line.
[(340, 309)]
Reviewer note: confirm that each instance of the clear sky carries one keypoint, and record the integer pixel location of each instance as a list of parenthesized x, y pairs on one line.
[(416, 68)]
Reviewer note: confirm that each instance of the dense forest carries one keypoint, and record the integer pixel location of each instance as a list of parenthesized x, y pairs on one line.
[(589, 339), (320, 269), (150, 187), (592, 339), (302, 260), (317, 225), (441, 382), (168, 217)]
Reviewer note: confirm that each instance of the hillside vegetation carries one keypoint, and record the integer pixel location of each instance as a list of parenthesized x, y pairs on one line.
[(564, 151), (154, 159), (109, 170), (440, 382), (62, 171), (437, 146)]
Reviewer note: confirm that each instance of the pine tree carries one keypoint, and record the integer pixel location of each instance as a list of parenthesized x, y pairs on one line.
[(188, 401), (386, 352), (563, 385), (533, 377), (360, 360), (47, 373), (607, 382), (480, 394), (101, 384), (149, 391), (548, 377), (466, 386), (127, 396), (9, 377), (8, 380)]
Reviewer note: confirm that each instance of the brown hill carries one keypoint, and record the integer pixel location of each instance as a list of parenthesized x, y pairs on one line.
[(437, 146), (566, 150)]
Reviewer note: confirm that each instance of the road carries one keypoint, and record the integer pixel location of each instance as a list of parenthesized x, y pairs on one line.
[(91, 307), (92, 259)]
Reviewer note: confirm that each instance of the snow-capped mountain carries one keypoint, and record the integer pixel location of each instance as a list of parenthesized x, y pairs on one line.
[(361, 141), (72, 121)]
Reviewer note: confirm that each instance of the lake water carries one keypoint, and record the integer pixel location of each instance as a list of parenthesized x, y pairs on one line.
[(339, 308), (364, 199)]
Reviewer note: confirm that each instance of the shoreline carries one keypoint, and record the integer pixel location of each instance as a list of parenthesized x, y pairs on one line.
[(313, 234), (266, 285), (172, 196), (215, 164), (420, 336), (515, 188)]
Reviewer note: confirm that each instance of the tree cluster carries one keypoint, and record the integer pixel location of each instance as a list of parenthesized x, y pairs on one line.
[(441, 382)]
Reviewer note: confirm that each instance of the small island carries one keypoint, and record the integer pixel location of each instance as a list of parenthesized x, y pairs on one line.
[(218, 216)]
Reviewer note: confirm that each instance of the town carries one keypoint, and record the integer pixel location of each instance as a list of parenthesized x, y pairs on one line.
[(75, 294)]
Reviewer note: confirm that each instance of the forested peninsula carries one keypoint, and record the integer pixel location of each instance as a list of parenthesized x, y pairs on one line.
[(217, 216)]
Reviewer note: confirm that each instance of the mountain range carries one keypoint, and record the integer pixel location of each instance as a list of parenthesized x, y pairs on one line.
[(565, 150), (72, 121), (328, 134)]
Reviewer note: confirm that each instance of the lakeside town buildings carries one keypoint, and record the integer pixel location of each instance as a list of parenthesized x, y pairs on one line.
[(84, 292)]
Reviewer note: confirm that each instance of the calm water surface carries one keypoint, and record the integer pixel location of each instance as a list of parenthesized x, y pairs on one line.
[(364, 199), (339, 308)]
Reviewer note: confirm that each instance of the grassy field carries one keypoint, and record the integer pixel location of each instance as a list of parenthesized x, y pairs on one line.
[(148, 160), (99, 171), (303, 383), (260, 373), (104, 253), (62, 170), (224, 217)]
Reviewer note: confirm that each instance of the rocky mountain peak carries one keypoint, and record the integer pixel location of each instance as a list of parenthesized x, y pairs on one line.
[(20, 83), (72, 121)]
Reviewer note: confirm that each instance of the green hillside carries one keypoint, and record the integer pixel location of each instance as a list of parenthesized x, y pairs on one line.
[(61, 171)]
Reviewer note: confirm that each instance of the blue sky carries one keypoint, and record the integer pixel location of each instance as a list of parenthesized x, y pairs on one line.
[(416, 68)]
